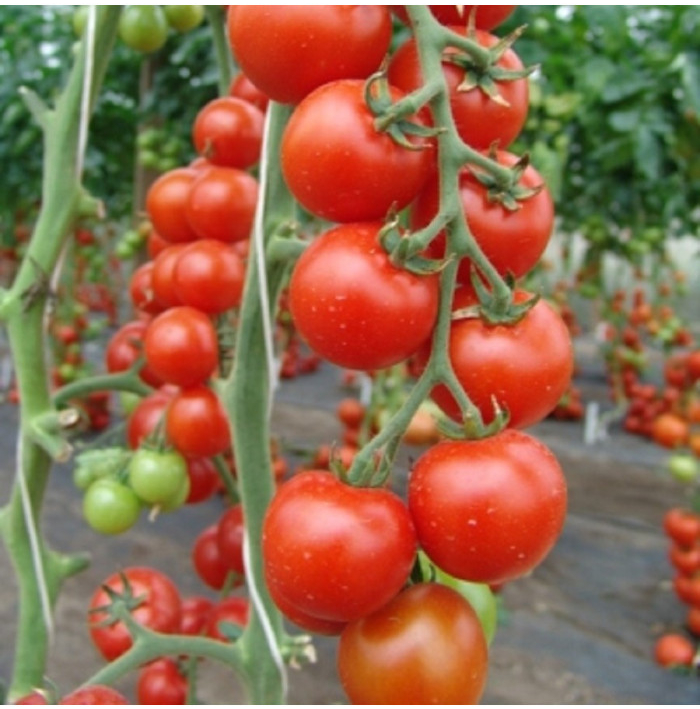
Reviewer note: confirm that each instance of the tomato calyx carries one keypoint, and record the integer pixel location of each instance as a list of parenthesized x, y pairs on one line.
[(404, 250), (508, 192), (495, 307), (120, 605), (472, 426), (391, 118)]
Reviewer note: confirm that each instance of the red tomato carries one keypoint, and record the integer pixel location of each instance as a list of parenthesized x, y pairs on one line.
[(146, 416), (207, 559), (36, 697), (221, 204), (322, 43), (195, 614), (686, 560), (196, 423), (163, 277), (125, 347), (687, 589), (228, 132), (350, 412), (94, 694), (426, 646), (674, 650), (340, 166), (230, 610), (181, 346), (242, 87), (487, 16), (513, 241), (166, 201), (141, 290), (333, 551), (682, 526), (204, 480), (479, 119), (157, 606), (670, 430), (208, 276), (155, 243), (692, 620), (354, 307), (161, 682), (526, 367), (230, 539), (488, 510), (309, 623)]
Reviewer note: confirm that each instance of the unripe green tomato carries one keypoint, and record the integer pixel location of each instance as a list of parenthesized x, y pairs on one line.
[(157, 477), (148, 138), (128, 401), (684, 467), (143, 27), (149, 159), (184, 18), (111, 507), (83, 476), (134, 238), (171, 148), (177, 500), (124, 251)]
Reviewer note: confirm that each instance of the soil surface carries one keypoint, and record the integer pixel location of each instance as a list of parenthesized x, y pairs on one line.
[(579, 630)]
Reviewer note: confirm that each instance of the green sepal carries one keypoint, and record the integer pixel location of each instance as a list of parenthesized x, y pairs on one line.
[(402, 251)]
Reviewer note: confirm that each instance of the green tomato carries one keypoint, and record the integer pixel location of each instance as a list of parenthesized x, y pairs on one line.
[(143, 27), (184, 18), (684, 467), (179, 499), (111, 507), (157, 477), (128, 401)]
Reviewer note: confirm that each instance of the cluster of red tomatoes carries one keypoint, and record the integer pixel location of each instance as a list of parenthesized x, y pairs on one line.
[(682, 528), (338, 556)]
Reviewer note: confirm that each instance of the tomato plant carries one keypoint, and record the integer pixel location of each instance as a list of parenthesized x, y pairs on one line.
[(387, 658), (266, 44), (154, 600), (488, 510), (340, 166), (353, 306), (334, 551)]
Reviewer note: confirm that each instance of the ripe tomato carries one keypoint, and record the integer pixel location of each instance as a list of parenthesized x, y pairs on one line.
[(669, 430), (333, 551), (674, 650), (479, 119), (209, 276), (94, 694), (526, 367), (233, 610), (350, 412), (166, 201), (339, 166), (196, 423), (195, 613), (110, 507), (204, 480), (425, 646), (323, 43), (221, 204), (207, 559), (242, 87), (163, 277), (354, 307), (181, 346), (682, 526), (158, 607), (228, 132), (686, 560), (141, 290), (488, 510), (513, 241), (161, 682), (146, 416), (229, 538), (487, 16), (125, 347)]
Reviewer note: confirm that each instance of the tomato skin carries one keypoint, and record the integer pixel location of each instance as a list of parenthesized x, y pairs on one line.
[(207, 559), (181, 346), (221, 204), (166, 201), (513, 241), (527, 367), (480, 121), (94, 694), (487, 16), (110, 507), (228, 132), (333, 551), (160, 609), (163, 277), (157, 476), (125, 347), (670, 430), (354, 307), (141, 290), (340, 167), (208, 276), (426, 646), (488, 510), (204, 480), (160, 682), (146, 416), (682, 526), (323, 43), (196, 423), (673, 650), (229, 538), (195, 613), (242, 87)]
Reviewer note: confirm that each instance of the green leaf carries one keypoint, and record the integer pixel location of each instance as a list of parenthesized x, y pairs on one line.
[(562, 106), (596, 73), (625, 120), (648, 154)]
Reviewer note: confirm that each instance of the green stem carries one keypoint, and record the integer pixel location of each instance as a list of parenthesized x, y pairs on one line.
[(40, 572), (123, 381), (246, 395), (217, 21)]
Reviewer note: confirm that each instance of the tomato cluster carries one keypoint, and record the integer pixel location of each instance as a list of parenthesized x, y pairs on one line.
[(339, 551)]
